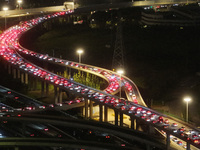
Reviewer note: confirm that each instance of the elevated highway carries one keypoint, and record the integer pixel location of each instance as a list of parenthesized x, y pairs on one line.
[(51, 9), (11, 51)]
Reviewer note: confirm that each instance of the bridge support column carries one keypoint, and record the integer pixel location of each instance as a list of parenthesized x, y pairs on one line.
[(86, 108), (9, 69), (26, 78), (100, 113), (148, 147), (167, 141), (116, 118), (47, 89), (151, 129), (60, 95), (105, 113), (23, 128), (133, 123), (22, 77), (55, 94), (18, 74), (188, 146), (35, 84), (42, 88), (30, 87), (137, 124), (16, 148), (91, 109), (14, 73), (65, 73), (69, 73), (5, 65), (121, 119)]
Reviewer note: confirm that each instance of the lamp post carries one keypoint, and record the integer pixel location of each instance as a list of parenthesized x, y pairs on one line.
[(79, 51), (5, 9), (187, 100), (120, 72), (19, 2)]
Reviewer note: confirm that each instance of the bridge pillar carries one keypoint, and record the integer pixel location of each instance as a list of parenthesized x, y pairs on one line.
[(30, 87), (133, 123), (9, 69), (60, 95), (35, 84), (23, 128), (26, 78), (116, 118), (5, 65), (18, 74), (148, 147), (65, 74), (167, 141), (100, 113), (55, 94), (69, 73), (105, 113), (137, 123), (22, 77), (47, 89), (188, 146), (16, 148), (14, 73), (86, 108), (42, 89), (91, 109), (151, 129), (121, 119)]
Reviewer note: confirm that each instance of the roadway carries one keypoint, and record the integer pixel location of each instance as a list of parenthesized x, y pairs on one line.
[(43, 132), (33, 11), (9, 43), (51, 9)]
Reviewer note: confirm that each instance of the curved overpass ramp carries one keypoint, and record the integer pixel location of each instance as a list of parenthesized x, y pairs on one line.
[(10, 50)]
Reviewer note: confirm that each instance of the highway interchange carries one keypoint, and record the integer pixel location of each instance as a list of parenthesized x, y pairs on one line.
[(134, 107)]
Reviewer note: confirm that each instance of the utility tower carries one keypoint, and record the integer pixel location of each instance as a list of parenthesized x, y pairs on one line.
[(118, 56)]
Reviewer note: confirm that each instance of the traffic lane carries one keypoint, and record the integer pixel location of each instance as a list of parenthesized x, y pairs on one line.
[(32, 11)]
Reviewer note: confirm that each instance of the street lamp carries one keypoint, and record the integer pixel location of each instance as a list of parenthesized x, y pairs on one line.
[(187, 100), (79, 51), (5, 9), (19, 2), (120, 72)]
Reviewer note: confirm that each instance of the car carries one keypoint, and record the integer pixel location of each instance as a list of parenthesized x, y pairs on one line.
[(153, 116), (181, 130), (166, 126), (160, 119), (197, 141), (185, 146), (166, 121), (174, 125), (194, 137), (180, 143), (148, 112), (147, 119), (175, 139), (174, 130), (138, 110)]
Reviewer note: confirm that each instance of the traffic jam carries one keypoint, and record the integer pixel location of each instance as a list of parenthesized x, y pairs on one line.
[(9, 47)]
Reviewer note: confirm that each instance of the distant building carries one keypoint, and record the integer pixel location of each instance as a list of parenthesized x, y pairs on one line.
[(172, 16)]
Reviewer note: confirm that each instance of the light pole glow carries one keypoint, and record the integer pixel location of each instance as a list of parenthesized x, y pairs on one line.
[(19, 2), (79, 51), (187, 100), (120, 72), (5, 9)]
